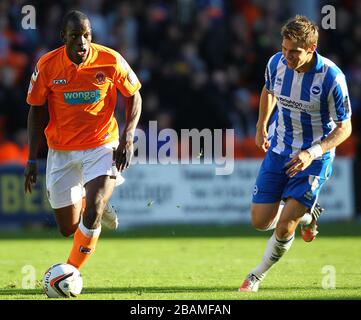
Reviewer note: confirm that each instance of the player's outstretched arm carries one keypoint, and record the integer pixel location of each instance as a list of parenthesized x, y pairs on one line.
[(36, 124), (124, 153), (266, 106)]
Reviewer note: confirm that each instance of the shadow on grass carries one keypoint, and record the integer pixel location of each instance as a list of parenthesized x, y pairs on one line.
[(25, 292), (334, 229), (114, 290), (139, 291)]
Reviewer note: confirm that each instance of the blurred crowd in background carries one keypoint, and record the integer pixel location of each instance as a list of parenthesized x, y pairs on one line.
[(201, 62)]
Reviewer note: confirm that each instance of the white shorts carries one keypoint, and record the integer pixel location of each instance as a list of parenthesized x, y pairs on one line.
[(68, 171)]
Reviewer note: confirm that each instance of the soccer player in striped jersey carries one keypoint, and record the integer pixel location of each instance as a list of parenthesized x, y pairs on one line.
[(314, 117)]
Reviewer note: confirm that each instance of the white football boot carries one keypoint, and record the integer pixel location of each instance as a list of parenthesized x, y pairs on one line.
[(110, 217), (250, 284), (309, 232)]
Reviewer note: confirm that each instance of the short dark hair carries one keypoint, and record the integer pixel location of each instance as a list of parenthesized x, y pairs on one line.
[(73, 15)]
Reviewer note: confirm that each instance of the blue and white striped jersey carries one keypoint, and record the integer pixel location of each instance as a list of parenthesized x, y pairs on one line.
[(308, 103)]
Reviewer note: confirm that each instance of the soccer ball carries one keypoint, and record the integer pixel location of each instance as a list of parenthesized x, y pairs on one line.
[(62, 280)]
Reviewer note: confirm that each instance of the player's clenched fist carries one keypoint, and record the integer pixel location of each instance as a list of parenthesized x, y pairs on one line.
[(30, 173), (298, 163), (262, 139), (124, 154)]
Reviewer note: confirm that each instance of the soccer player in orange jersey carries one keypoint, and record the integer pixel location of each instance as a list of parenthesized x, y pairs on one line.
[(79, 82)]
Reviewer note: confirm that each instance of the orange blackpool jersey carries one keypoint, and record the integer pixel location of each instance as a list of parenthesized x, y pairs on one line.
[(81, 98)]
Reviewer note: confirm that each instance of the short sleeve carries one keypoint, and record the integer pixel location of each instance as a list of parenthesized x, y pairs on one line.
[(339, 101), (267, 77), (125, 79), (271, 72), (38, 89)]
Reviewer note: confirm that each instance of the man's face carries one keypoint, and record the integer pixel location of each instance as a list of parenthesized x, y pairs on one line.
[(296, 54), (77, 38)]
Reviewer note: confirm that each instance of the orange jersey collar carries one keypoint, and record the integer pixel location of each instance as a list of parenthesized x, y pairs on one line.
[(68, 62)]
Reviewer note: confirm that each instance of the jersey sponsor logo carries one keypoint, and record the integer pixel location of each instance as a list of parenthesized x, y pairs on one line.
[(316, 90), (79, 97), (295, 104), (59, 81)]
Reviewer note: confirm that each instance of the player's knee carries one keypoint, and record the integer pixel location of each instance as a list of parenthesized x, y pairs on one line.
[(257, 222), (260, 225), (283, 230)]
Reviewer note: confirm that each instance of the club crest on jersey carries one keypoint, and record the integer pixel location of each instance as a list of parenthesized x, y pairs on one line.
[(100, 77), (316, 90)]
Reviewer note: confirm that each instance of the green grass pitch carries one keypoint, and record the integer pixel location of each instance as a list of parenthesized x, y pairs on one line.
[(188, 262)]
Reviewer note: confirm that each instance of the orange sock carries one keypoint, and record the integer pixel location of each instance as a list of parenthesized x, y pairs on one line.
[(83, 245)]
